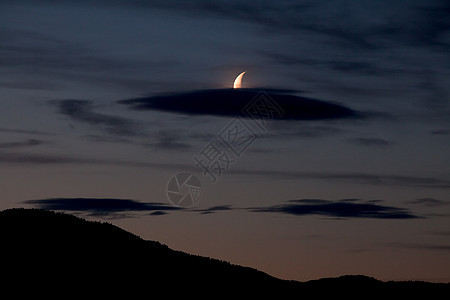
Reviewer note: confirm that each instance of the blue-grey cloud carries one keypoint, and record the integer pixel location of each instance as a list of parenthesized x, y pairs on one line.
[(168, 140), (421, 246), (304, 130), (23, 131), (365, 178), (83, 111), (276, 15), (100, 206), (444, 233), (433, 26), (22, 144), (315, 131), (359, 67), (103, 138), (371, 142), (420, 24), (161, 140), (34, 158), (34, 58), (345, 208), (409, 22), (238, 102), (440, 132), (54, 159), (119, 129), (430, 202)]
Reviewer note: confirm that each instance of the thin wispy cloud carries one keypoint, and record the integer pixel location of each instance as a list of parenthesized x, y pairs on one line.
[(101, 206), (42, 159), (364, 178), (214, 209), (430, 202), (359, 67), (352, 32), (83, 111), (54, 159), (23, 131), (305, 130), (168, 140), (371, 142), (421, 246), (333, 209), (440, 132), (22, 144)]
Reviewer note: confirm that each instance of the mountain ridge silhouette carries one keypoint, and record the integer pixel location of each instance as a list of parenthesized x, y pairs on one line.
[(42, 247)]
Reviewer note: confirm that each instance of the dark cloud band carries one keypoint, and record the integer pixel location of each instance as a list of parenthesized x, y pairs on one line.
[(234, 102), (346, 208)]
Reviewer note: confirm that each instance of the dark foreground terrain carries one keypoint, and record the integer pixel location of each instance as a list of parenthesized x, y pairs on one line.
[(44, 251)]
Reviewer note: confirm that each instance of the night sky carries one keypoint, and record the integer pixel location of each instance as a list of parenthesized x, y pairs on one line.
[(344, 171)]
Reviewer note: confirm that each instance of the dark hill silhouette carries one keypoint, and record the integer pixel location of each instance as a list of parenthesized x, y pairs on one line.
[(45, 249)]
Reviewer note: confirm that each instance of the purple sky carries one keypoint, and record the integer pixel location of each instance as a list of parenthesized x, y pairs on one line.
[(82, 130)]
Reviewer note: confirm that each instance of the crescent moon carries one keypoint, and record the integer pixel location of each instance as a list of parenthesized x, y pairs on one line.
[(238, 81)]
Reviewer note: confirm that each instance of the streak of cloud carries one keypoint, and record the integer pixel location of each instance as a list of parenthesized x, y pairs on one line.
[(233, 103), (83, 111), (100, 206), (346, 209)]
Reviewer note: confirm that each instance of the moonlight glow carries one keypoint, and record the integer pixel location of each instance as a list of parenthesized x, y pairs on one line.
[(238, 81)]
